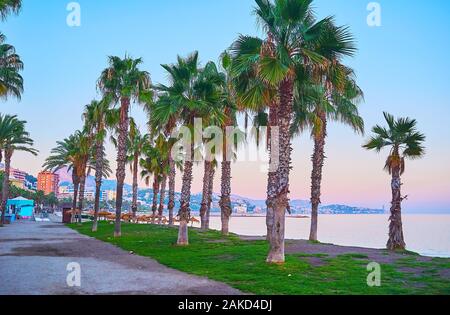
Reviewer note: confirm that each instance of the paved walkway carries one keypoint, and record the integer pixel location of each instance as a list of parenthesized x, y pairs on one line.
[(34, 257)]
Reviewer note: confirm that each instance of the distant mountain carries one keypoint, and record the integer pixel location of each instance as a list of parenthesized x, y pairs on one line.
[(64, 175), (65, 179), (109, 184), (297, 206)]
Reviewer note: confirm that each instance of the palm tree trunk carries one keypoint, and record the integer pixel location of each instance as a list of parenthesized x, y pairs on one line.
[(210, 195), (281, 202), (98, 181), (318, 159), (185, 211), (225, 195), (205, 194), (81, 197), (396, 239), (1, 197), (155, 198), (5, 191), (162, 196), (272, 175), (76, 184), (172, 175), (121, 161), (135, 184)]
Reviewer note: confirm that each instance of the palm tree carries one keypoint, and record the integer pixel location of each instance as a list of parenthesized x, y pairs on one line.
[(124, 82), (210, 192), (291, 31), (404, 142), (163, 146), (164, 115), (192, 94), (233, 88), (136, 145), (215, 117), (100, 117), (18, 139), (207, 182), (8, 124), (331, 95), (257, 96), (11, 82), (153, 167), (67, 155), (9, 6), (83, 156)]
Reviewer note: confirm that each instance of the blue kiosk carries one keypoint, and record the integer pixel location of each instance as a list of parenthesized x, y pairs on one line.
[(19, 207)]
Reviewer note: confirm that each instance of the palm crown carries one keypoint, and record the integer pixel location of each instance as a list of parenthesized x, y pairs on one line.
[(402, 137), (11, 82), (13, 136), (296, 39), (9, 6), (123, 78)]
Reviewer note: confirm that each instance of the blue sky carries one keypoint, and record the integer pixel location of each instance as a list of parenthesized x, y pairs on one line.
[(402, 66)]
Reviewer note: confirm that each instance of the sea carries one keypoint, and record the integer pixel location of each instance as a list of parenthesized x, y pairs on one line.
[(426, 234)]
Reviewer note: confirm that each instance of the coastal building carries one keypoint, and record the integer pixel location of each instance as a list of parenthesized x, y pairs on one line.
[(108, 195), (258, 210), (17, 183), (65, 192), (48, 182), (240, 209), (89, 195), (16, 176)]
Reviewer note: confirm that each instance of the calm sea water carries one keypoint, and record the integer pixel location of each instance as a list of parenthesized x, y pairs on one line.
[(428, 235)]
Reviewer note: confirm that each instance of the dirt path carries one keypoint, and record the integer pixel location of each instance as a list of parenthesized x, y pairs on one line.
[(34, 257)]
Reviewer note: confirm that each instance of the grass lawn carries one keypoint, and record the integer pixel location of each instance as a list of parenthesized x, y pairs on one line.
[(241, 264)]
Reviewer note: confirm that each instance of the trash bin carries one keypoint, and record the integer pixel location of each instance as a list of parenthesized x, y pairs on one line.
[(67, 215)]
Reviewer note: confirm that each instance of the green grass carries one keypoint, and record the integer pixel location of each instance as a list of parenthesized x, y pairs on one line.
[(241, 264)]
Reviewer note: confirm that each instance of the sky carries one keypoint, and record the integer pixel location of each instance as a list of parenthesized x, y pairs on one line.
[(402, 66)]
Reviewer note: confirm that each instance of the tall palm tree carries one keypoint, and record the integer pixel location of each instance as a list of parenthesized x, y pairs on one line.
[(256, 95), (333, 95), (9, 6), (163, 145), (152, 165), (207, 182), (11, 82), (137, 142), (8, 124), (291, 30), (404, 141), (18, 139), (100, 117), (215, 116), (124, 82), (164, 115), (83, 156), (210, 192), (232, 88), (66, 154), (193, 93)]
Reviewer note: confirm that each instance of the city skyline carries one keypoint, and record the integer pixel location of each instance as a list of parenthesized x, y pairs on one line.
[(60, 79)]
